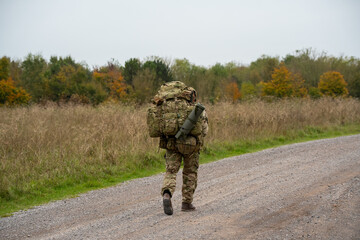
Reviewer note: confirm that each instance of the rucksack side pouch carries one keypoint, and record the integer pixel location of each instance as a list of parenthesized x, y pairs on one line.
[(186, 145), (153, 121)]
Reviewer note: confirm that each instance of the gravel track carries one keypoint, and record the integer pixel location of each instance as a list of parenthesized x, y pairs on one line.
[(301, 191)]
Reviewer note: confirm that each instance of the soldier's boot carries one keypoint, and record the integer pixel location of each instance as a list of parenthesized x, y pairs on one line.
[(167, 204), (187, 207)]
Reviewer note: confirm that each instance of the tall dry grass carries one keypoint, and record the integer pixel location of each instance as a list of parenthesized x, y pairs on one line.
[(254, 119), (52, 145)]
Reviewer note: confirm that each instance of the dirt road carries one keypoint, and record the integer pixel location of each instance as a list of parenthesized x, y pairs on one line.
[(301, 191)]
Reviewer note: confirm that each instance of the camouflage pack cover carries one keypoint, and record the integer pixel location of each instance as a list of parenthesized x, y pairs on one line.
[(172, 90), (171, 106)]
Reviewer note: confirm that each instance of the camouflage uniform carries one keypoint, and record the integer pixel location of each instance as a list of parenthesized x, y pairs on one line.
[(191, 164)]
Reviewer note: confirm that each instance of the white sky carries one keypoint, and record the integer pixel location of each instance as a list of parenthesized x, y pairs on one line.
[(203, 31)]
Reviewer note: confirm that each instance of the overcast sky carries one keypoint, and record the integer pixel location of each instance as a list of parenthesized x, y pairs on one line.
[(203, 31)]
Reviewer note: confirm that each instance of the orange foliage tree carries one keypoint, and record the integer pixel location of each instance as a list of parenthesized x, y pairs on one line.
[(113, 80), (233, 92), (11, 95), (284, 84), (333, 84)]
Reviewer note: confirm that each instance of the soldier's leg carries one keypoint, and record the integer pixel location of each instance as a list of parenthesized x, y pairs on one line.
[(191, 165), (173, 162)]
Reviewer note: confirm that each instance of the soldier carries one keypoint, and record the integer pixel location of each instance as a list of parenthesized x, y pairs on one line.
[(188, 150)]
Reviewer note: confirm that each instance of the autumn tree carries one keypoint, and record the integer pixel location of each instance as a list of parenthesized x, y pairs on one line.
[(232, 91), (280, 84), (333, 84), (284, 84), (11, 95), (113, 80)]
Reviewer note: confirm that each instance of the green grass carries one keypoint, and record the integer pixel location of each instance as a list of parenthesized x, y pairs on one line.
[(68, 187)]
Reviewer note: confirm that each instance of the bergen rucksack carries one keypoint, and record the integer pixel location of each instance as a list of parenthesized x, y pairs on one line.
[(169, 110)]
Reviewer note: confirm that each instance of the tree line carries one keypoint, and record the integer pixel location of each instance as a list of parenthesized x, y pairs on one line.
[(61, 79)]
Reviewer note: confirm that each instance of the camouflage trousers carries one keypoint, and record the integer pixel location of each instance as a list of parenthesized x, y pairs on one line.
[(191, 165)]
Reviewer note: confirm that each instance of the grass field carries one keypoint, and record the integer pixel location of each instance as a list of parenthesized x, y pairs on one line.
[(51, 152)]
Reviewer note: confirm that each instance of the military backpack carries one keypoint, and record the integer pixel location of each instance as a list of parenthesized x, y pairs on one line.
[(169, 110)]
